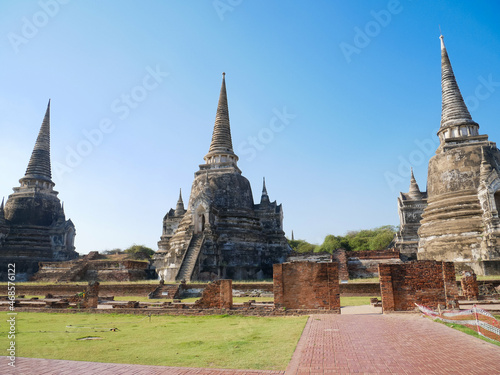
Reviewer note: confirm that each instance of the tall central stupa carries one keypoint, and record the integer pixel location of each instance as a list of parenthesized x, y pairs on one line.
[(221, 233)]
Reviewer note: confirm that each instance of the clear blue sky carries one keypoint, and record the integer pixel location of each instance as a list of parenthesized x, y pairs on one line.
[(356, 83)]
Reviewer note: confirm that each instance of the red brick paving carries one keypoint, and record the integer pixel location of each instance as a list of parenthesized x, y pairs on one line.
[(34, 366), (332, 344), (389, 344)]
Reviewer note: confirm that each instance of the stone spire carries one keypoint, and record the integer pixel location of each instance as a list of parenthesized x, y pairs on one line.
[(264, 198), (39, 164), (414, 191), (454, 114), (2, 213), (293, 239), (221, 138), (179, 209), (220, 153)]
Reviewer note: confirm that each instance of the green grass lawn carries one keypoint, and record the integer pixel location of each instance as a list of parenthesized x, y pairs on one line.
[(200, 341), (355, 301), (364, 280)]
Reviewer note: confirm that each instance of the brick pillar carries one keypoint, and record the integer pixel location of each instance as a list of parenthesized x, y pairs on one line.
[(217, 295), (307, 285), (278, 285), (341, 258), (226, 294), (92, 294), (450, 285), (470, 288), (386, 288)]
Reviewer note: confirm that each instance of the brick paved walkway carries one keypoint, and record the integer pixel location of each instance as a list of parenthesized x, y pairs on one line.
[(389, 344), (34, 366), (333, 344)]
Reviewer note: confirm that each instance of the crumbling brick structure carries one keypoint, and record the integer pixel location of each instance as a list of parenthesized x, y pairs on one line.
[(92, 294), (340, 257), (307, 285), (217, 295), (429, 283), (470, 288)]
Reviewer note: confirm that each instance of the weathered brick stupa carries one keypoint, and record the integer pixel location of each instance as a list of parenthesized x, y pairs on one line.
[(33, 227), (460, 220), (221, 233)]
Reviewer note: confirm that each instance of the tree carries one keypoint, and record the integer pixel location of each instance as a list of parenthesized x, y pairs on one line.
[(140, 252), (366, 239), (332, 243), (301, 246)]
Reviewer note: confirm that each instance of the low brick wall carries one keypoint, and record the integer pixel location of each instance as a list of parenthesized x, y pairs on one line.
[(360, 289), (70, 289), (307, 285), (426, 282), (374, 254)]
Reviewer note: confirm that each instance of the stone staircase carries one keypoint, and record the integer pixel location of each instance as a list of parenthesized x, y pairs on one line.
[(187, 267), (168, 291)]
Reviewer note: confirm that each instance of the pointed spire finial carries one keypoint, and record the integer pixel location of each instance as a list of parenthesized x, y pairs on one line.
[(179, 208), (264, 199), (414, 191), (39, 164), (221, 137), (454, 111)]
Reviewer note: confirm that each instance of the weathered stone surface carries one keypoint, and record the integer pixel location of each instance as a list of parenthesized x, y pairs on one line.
[(410, 208), (33, 226), (222, 233), (459, 220)]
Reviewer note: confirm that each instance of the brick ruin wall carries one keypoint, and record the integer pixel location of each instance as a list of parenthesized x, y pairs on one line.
[(429, 283), (195, 290), (217, 295), (307, 285), (340, 257), (352, 264), (470, 287), (364, 264), (374, 254)]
